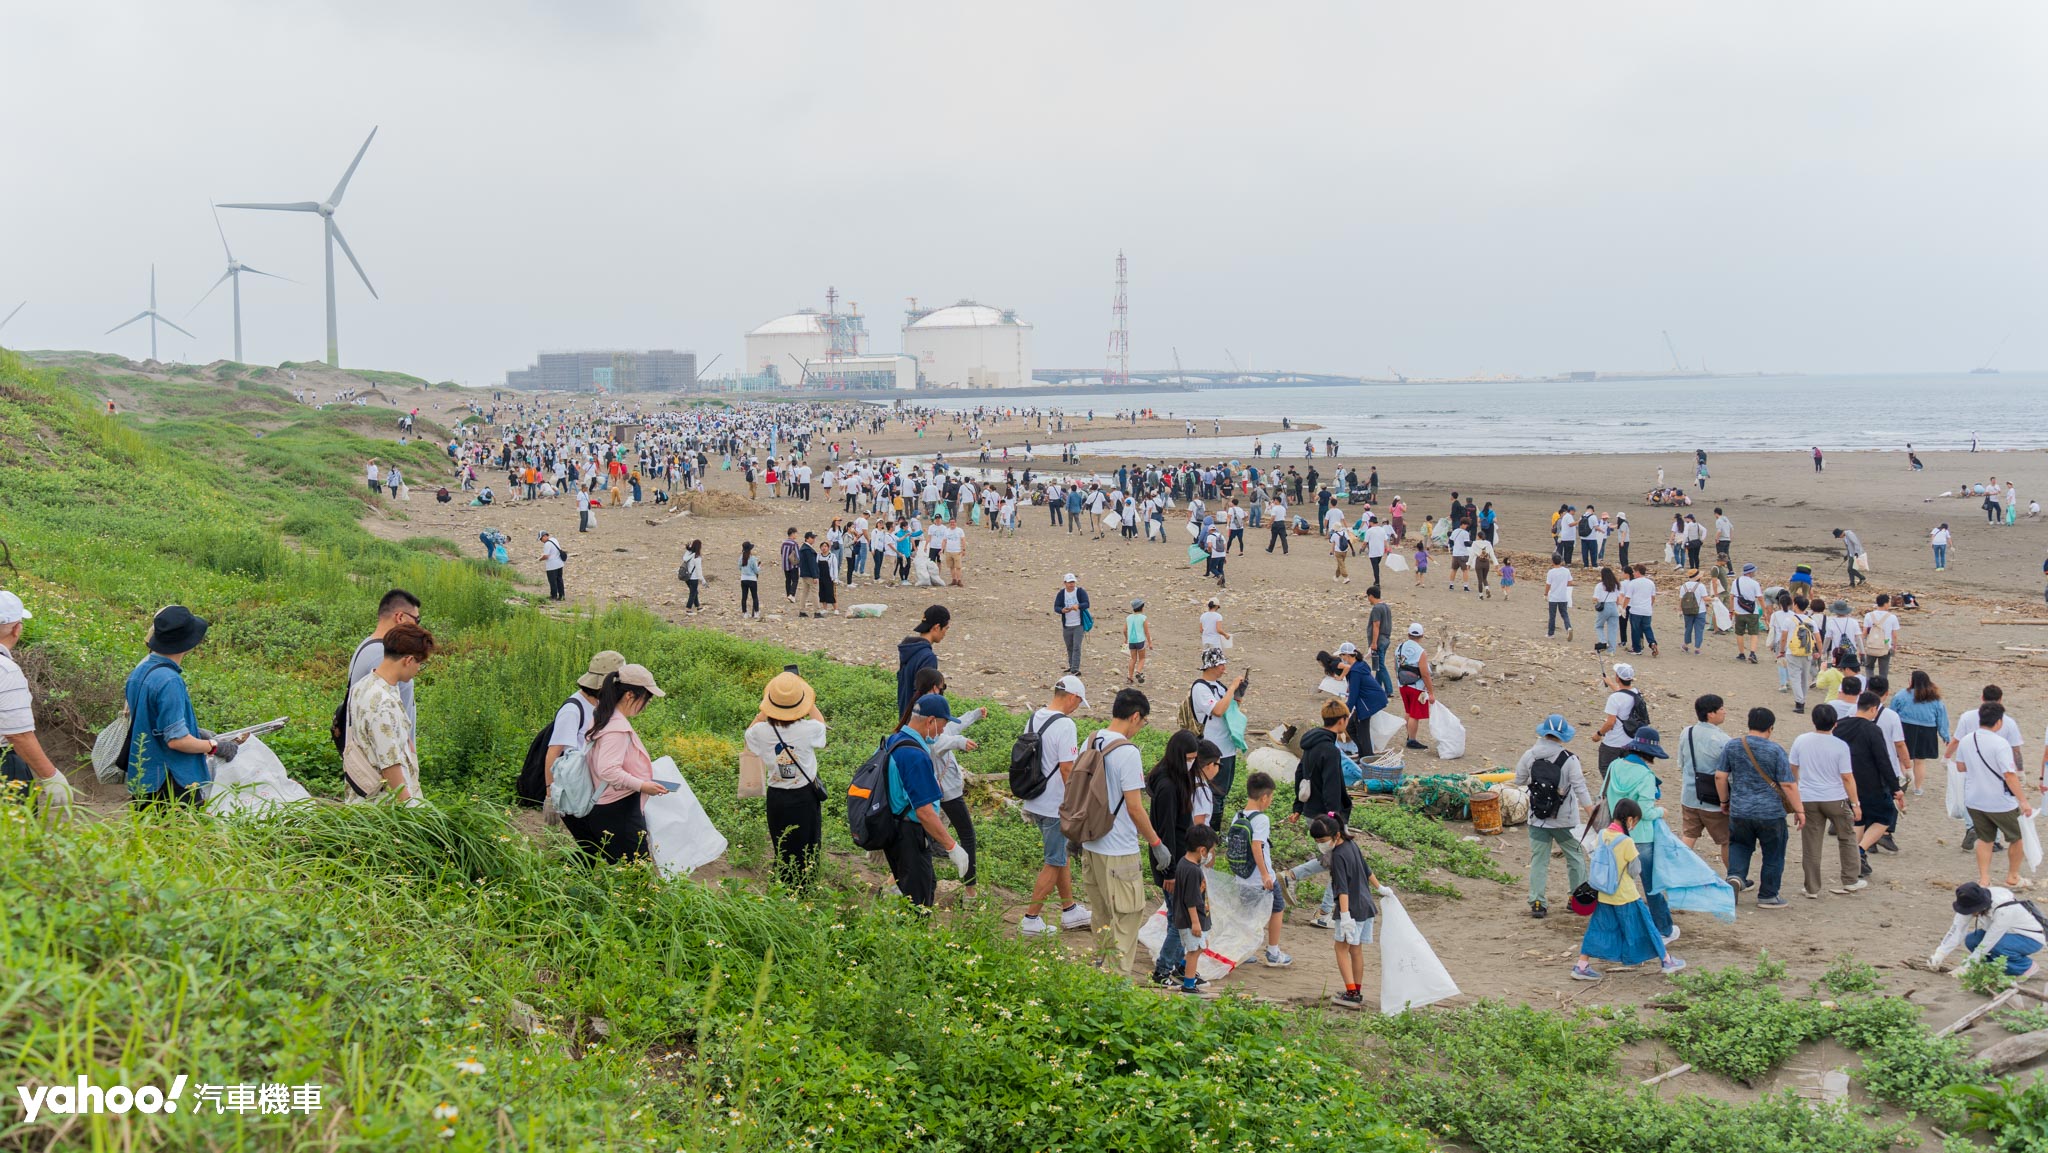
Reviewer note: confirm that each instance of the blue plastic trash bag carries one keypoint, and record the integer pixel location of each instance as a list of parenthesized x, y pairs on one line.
[(1687, 882), (1196, 555)]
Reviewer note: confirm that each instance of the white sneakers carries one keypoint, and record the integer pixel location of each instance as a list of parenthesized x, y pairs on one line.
[(1274, 958), (1077, 917)]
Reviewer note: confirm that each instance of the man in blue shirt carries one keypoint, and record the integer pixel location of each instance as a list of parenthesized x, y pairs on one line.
[(167, 749), (1758, 788), (914, 797)]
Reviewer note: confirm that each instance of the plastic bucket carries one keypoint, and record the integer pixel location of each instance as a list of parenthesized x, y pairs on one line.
[(1486, 814)]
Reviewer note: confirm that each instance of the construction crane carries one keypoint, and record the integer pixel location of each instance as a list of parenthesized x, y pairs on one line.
[(1178, 378), (1676, 366), (1398, 378)]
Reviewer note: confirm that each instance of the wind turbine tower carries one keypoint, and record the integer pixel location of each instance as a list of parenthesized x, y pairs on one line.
[(235, 270), (153, 315), (325, 210)]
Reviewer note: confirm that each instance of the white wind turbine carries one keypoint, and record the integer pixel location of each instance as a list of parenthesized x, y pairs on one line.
[(235, 270), (325, 208), (153, 315)]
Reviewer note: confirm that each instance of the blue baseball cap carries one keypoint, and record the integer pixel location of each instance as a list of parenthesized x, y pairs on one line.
[(933, 705)]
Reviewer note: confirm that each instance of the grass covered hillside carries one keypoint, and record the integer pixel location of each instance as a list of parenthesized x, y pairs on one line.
[(452, 981)]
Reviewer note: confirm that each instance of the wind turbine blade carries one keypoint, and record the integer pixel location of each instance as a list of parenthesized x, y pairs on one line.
[(223, 232), (271, 275), (143, 315), (224, 277), (294, 206), (10, 316), (342, 187), (167, 320), (350, 253)]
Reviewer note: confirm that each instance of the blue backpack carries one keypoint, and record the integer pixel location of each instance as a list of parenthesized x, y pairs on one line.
[(1602, 872)]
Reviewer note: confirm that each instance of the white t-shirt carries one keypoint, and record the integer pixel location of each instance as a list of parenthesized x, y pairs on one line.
[(1060, 742), (1725, 531), (15, 714), (1894, 731), (1822, 760), (1211, 622), (803, 738), (1966, 723), (1939, 536), (1070, 605), (1204, 804), (1461, 542), (1123, 770), (1340, 541), (1559, 581), (1619, 706), (1376, 538), (1642, 595), (1205, 694), (956, 539), (553, 554), (1882, 621), (1985, 763), (1334, 520), (1567, 527), (1747, 589), (1601, 595)]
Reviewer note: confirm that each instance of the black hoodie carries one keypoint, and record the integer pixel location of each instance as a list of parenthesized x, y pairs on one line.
[(1322, 766), (914, 652)]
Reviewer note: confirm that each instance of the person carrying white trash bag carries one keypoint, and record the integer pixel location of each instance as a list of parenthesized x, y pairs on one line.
[(255, 781), (1411, 976)]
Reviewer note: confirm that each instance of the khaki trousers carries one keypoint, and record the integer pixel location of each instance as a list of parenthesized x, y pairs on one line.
[(1116, 886), (1819, 815)]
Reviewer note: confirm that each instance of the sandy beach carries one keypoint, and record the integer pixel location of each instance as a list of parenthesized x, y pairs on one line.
[(1282, 608)]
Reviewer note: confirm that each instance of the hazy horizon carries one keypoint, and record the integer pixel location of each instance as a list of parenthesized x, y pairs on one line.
[(1834, 187)]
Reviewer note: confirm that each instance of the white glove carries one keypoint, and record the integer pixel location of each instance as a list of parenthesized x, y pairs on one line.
[(1346, 924), (57, 790), (1384, 891), (958, 855)]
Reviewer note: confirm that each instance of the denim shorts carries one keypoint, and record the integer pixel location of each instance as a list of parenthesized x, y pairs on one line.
[(1360, 934), (1055, 841)]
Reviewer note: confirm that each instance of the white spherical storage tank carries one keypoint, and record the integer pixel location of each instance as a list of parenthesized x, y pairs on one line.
[(785, 343), (969, 345)]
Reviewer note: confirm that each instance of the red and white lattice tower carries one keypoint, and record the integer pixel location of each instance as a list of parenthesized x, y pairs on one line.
[(1119, 370)]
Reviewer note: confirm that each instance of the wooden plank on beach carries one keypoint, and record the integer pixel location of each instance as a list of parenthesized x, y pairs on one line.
[(1970, 1018), (1999, 621)]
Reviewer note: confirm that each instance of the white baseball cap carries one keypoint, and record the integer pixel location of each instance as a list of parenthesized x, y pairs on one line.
[(1415, 630), (1072, 686), (1625, 672), (1067, 579), (12, 610), (1347, 649)]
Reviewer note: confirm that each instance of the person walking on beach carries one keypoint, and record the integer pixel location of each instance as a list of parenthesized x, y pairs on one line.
[(1758, 788), (1852, 547), (1816, 468), (1638, 596), (1559, 598), (1939, 538), (552, 558), (1379, 630), (1558, 792), (1411, 663), (1340, 547), (1138, 636), (1749, 608), (1070, 604)]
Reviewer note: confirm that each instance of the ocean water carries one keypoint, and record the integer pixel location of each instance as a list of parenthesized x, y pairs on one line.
[(1933, 412)]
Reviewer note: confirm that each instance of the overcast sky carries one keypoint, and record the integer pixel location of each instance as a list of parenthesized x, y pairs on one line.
[(1455, 188)]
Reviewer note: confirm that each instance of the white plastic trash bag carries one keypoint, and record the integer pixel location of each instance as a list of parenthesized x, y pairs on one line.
[(679, 833), (2030, 842), (1410, 974), (254, 782), (1957, 808), (1384, 727), (1447, 730), (1395, 562), (1723, 621), (867, 610), (923, 573), (1112, 521), (1238, 909)]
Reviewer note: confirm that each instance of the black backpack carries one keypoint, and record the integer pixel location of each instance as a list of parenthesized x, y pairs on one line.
[(1237, 845), (1027, 776), (1703, 784), (1546, 786), (337, 729), (869, 818), (532, 788), (1637, 716)]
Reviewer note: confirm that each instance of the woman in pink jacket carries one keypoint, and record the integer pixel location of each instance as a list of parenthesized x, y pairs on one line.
[(615, 829)]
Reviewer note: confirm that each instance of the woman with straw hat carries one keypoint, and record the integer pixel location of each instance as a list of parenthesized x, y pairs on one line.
[(787, 734)]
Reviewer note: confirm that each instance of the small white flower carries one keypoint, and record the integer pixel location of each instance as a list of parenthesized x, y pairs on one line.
[(446, 1112), (469, 1065)]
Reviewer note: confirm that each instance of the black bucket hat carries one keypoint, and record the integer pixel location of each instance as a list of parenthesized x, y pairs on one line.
[(175, 630)]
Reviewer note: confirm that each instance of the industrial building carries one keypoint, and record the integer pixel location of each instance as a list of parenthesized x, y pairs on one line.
[(784, 347), (969, 345), (614, 370), (871, 370)]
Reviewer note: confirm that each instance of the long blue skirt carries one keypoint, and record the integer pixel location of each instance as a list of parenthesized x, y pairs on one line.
[(1623, 934)]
